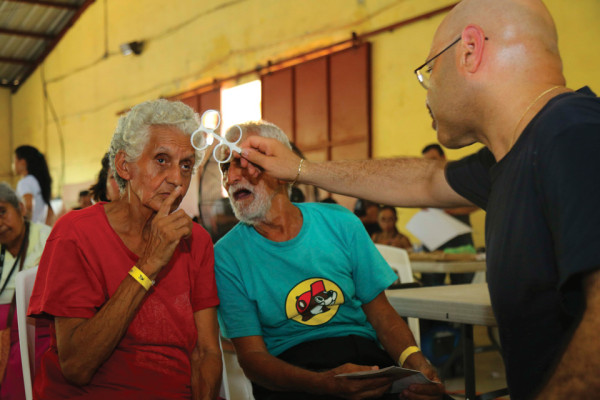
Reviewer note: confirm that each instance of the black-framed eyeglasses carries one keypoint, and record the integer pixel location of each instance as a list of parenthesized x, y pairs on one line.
[(423, 75)]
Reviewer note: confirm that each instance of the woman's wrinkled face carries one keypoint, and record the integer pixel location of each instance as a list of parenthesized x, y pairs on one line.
[(166, 162), (12, 223)]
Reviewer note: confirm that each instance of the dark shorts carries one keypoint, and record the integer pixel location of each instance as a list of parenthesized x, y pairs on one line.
[(325, 354)]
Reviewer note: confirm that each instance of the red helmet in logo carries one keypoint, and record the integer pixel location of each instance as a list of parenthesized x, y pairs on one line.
[(303, 301)]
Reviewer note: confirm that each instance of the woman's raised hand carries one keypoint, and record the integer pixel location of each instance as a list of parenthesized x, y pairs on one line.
[(167, 229)]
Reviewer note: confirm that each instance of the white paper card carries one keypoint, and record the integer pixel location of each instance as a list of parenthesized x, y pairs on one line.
[(405, 377), (433, 227)]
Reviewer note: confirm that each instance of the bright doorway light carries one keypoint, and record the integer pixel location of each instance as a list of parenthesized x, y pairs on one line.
[(240, 104)]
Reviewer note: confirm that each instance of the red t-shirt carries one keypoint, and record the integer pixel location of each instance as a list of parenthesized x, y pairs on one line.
[(82, 265)]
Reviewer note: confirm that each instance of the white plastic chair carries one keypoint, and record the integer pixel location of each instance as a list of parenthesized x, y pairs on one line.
[(224, 393), (235, 383), (23, 288), (398, 259)]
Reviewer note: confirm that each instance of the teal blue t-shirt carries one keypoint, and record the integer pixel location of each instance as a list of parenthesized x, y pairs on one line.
[(307, 288)]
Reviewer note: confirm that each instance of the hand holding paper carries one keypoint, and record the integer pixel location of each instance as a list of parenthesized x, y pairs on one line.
[(404, 377)]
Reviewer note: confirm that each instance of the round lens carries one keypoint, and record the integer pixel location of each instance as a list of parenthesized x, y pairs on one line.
[(210, 119), (423, 76), (234, 134), (201, 139), (222, 153)]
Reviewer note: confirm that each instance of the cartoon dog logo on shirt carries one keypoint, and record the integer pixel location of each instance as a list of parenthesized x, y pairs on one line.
[(315, 301)]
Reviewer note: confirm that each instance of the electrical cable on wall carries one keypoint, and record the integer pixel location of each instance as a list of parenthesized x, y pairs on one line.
[(106, 53)]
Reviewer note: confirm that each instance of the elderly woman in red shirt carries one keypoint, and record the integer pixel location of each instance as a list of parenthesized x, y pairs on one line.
[(130, 284)]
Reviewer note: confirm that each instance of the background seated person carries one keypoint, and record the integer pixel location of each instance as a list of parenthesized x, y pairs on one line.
[(367, 211), (389, 234), (302, 294), (105, 188), (85, 200), (129, 285), (435, 152), (22, 245)]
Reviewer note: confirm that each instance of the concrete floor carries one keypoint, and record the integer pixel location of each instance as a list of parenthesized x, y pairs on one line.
[(489, 369)]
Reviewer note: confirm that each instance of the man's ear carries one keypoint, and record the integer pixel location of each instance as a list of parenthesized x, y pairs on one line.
[(472, 44), (122, 165)]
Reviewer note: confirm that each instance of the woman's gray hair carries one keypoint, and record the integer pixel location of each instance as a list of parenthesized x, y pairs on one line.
[(133, 129), (7, 195)]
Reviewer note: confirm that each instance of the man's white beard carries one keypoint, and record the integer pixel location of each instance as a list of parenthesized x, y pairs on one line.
[(255, 211)]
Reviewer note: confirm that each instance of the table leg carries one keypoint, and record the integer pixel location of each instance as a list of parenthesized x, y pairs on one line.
[(469, 361)]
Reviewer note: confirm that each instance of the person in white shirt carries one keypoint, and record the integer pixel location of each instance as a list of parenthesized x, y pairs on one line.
[(35, 186)]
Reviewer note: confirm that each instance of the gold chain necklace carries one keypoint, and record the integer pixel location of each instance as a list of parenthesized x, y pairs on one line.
[(545, 92)]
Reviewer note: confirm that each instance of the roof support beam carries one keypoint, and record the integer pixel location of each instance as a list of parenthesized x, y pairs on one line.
[(46, 3), (35, 35), (12, 60)]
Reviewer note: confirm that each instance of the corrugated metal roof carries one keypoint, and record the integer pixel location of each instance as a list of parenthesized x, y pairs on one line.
[(29, 30)]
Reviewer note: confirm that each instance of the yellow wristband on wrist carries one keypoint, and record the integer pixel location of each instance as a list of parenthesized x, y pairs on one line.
[(141, 277), (407, 353)]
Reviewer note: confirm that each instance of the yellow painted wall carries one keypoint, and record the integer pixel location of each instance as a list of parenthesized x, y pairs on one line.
[(191, 42)]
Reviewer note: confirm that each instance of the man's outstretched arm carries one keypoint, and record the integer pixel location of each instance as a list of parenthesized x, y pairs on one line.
[(404, 182)]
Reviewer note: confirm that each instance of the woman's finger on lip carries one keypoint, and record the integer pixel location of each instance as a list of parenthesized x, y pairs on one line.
[(165, 207)]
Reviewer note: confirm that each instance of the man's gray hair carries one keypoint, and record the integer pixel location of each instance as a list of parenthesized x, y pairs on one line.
[(7, 195), (133, 129), (264, 129), (261, 128)]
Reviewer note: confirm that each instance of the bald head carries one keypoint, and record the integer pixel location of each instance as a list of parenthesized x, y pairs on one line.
[(506, 56), (526, 16), (521, 35)]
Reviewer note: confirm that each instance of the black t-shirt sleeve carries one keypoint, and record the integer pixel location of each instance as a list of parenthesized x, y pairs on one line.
[(569, 185), (470, 176)]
